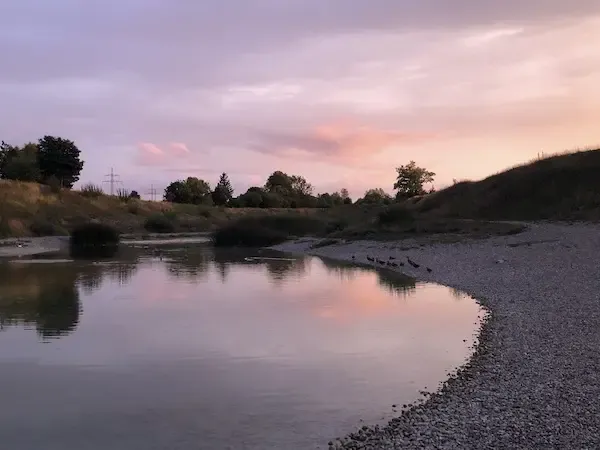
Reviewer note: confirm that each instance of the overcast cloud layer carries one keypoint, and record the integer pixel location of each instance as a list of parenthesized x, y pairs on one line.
[(340, 91)]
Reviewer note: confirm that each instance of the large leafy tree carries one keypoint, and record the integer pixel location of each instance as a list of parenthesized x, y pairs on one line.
[(411, 179), (191, 190), (376, 196), (59, 158), (223, 192)]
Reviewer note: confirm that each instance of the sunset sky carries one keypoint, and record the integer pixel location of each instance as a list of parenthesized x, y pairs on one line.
[(340, 91)]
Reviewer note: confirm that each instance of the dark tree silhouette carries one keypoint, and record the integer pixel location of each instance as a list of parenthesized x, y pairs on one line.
[(58, 157), (223, 192)]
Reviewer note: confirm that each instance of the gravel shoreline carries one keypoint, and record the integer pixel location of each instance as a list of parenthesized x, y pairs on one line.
[(534, 380)]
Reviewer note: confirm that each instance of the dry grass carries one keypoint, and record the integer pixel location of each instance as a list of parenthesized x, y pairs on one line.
[(23, 206), (560, 187)]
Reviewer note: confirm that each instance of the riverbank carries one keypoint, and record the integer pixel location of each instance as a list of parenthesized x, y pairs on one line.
[(534, 380)]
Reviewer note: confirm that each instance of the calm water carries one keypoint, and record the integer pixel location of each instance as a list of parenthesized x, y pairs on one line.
[(205, 350)]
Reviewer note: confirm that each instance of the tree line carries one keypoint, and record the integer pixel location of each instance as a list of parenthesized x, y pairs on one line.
[(282, 190), (51, 160), (56, 161)]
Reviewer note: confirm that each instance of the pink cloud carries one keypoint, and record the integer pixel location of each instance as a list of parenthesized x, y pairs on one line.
[(337, 141), (179, 149), (149, 154)]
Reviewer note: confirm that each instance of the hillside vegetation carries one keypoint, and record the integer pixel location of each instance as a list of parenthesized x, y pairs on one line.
[(563, 187), (31, 209)]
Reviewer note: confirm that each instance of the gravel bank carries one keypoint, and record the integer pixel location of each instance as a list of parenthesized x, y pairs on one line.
[(20, 247), (534, 381)]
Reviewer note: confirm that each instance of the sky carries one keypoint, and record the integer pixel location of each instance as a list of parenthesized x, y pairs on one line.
[(339, 91)]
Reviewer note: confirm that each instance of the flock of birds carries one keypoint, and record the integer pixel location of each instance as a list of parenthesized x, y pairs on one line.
[(391, 262)]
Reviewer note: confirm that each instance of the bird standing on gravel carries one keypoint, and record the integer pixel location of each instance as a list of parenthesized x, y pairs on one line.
[(429, 270), (412, 263), (370, 259)]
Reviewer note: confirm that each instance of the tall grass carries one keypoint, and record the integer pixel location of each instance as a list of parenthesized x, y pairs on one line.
[(91, 190)]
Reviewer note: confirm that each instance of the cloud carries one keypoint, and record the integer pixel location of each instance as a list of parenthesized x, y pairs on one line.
[(340, 142), (493, 82), (149, 154)]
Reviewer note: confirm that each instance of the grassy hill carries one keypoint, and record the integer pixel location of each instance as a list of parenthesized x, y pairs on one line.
[(30, 209), (563, 187)]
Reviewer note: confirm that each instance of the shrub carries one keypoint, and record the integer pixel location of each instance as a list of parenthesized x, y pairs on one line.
[(394, 214), (170, 214), (159, 223), (54, 184), (123, 195), (266, 230), (94, 240), (41, 227), (247, 235), (133, 207), (91, 190), (204, 212)]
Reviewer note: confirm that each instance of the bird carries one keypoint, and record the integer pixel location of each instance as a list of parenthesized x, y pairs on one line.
[(353, 257), (394, 265), (401, 264), (370, 259), (392, 257), (381, 262), (412, 263), (429, 270)]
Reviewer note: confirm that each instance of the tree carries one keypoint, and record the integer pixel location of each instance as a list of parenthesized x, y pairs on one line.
[(376, 196), (279, 182), (411, 179), (223, 192), (60, 158), (344, 193), (134, 194), (20, 163), (300, 186), (191, 190)]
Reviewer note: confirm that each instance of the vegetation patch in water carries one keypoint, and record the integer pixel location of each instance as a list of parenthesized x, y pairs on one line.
[(94, 240), (267, 230)]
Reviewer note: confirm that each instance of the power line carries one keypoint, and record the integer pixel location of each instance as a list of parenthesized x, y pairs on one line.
[(152, 192), (113, 179)]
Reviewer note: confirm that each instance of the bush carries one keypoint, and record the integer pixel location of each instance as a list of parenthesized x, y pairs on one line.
[(94, 240), (133, 207), (394, 214), (91, 190), (266, 230), (54, 184), (159, 223), (247, 235), (123, 195), (41, 227)]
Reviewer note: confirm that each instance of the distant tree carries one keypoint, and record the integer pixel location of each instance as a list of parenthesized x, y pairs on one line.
[(324, 200), (300, 186), (191, 190), (411, 179), (252, 198), (288, 185), (279, 182), (223, 192), (134, 194), (20, 163), (376, 196), (60, 158), (344, 193)]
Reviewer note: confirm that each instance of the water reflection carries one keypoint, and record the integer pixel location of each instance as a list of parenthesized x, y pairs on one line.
[(193, 341), (393, 282), (43, 296)]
